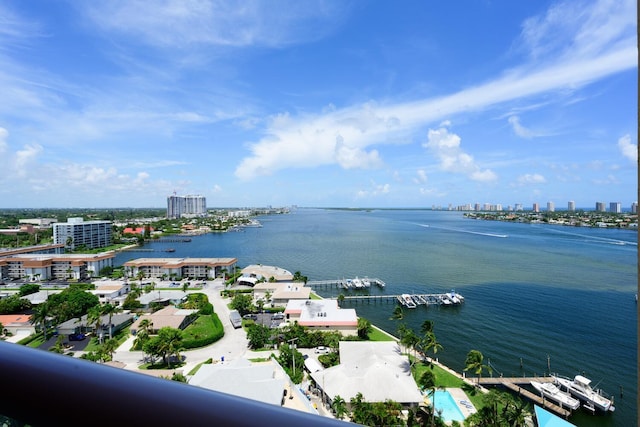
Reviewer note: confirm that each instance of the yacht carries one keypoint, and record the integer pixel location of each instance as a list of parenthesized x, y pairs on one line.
[(580, 387), (357, 283), (366, 282), (552, 392), (408, 301)]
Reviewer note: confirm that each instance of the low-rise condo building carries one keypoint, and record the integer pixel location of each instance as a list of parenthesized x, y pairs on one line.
[(54, 266), (177, 268)]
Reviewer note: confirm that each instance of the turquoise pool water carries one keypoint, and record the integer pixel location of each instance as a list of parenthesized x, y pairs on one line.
[(443, 401)]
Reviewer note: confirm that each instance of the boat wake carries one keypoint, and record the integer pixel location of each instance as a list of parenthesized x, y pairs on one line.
[(502, 236), (595, 239)]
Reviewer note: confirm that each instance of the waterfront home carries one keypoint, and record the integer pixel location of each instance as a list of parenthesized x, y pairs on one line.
[(255, 273), (323, 315), (280, 293), (378, 370)]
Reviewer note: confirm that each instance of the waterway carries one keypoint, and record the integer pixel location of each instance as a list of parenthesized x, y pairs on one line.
[(537, 296)]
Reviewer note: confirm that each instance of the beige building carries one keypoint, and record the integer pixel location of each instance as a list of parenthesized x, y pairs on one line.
[(323, 315), (178, 268), (280, 293), (54, 266)]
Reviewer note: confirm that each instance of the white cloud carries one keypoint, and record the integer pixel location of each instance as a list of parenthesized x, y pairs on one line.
[(518, 129), (421, 177), (627, 148), (4, 135), (310, 140), (25, 157), (376, 190), (531, 179), (216, 189), (183, 23), (446, 148)]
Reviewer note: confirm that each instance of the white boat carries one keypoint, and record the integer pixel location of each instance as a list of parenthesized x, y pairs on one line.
[(580, 387), (452, 296), (408, 301), (357, 283), (366, 283), (552, 392)]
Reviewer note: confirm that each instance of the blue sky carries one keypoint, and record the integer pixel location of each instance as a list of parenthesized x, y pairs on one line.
[(318, 103)]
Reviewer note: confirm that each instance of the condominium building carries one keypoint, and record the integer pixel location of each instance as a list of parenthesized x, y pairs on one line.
[(177, 268), (551, 207), (54, 266), (634, 207), (77, 232), (600, 207), (536, 207), (178, 206), (571, 206), (615, 207)]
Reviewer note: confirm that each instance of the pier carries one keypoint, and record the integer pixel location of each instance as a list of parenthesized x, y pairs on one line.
[(514, 384), (347, 283), (426, 299)]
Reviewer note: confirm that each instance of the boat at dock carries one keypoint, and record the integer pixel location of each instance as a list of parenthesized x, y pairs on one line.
[(580, 387), (552, 392), (407, 301)]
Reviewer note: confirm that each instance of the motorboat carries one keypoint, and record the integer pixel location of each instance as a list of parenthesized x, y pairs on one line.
[(357, 283), (580, 387), (408, 301), (552, 392), (366, 282)]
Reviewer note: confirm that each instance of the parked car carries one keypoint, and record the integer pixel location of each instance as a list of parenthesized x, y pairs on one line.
[(322, 350), (77, 337), (250, 316), (278, 316)]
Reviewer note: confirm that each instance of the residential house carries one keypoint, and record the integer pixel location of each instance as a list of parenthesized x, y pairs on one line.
[(323, 315)]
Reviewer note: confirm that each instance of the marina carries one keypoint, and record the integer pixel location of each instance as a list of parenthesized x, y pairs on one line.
[(356, 283)]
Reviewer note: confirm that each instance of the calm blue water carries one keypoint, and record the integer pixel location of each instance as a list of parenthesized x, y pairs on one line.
[(539, 294), (446, 406)]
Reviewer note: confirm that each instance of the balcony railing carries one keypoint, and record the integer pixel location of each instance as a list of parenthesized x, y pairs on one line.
[(40, 388)]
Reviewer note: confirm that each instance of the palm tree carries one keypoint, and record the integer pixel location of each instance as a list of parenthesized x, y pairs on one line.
[(427, 327), (339, 406), (39, 317), (429, 342), (473, 362), (95, 315), (364, 327), (428, 381), (398, 313), (110, 309), (109, 347)]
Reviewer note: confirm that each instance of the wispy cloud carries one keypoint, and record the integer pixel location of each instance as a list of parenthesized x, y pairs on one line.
[(529, 178), (518, 129), (186, 23), (311, 140)]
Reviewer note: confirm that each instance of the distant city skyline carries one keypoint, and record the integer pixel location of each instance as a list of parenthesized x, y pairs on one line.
[(330, 104)]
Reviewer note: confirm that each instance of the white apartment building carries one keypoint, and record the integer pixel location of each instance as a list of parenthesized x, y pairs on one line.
[(177, 206), (77, 232)]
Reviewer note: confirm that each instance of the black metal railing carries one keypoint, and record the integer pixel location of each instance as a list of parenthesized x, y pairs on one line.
[(40, 388)]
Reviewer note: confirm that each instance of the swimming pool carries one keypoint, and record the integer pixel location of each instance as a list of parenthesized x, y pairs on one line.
[(443, 401)]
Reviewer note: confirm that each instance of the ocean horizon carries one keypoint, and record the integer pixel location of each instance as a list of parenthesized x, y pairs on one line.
[(537, 296)]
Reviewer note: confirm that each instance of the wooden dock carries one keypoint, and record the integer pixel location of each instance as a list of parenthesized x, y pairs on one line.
[(342, 283), (515, 384), (426, 299)]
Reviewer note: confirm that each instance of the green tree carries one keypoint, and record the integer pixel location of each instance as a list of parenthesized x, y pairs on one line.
[(292, 362), (166, 345), (109, 309), (58, 347), (94, 316), (109, 347), (29, 288), (258, 335), (14, 304), (339, 406), (243, 303), (364, 328), (70, 303), (40, 317), (398, 313), (473, 363)]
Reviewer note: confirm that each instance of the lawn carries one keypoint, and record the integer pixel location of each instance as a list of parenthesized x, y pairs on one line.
[(379, 335), (445, 379)]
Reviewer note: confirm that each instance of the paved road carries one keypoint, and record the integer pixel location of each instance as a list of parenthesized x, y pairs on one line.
[(231, 346)]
